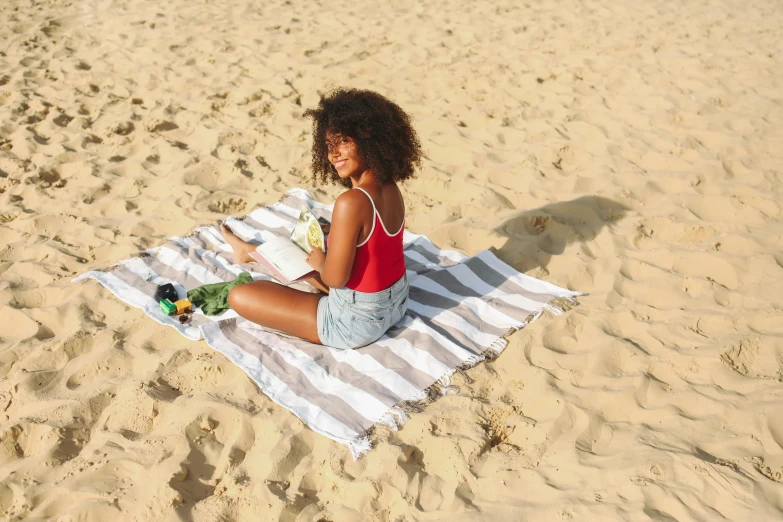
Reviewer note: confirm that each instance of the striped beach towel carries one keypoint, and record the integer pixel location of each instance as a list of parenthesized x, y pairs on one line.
[(460, 311)]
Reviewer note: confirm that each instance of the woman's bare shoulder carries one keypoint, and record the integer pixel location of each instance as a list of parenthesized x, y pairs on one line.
[(352, 201)]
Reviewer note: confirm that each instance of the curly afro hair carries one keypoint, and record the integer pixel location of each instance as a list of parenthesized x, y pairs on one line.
[(384, 137)]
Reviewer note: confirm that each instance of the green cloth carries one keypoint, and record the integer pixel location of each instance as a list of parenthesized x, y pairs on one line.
[(213, 299)]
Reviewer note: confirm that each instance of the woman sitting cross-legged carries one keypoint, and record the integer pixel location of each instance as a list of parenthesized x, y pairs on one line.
[(366, 143)]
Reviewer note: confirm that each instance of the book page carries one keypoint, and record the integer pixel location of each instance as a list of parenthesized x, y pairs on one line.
[(288, 258)]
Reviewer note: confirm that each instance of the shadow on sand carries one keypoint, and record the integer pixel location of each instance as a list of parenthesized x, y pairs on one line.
[(534, 236)]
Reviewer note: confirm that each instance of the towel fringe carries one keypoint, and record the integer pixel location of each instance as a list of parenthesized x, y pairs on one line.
[(497, 347), (359, 446), (470, 362), (560, 305), (394, 419), (445, 379), (419, 396)]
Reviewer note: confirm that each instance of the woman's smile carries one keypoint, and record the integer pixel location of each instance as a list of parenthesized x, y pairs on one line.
[(343, 155)]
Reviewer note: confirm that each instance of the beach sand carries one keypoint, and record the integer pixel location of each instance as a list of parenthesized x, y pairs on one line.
[(629, 150)]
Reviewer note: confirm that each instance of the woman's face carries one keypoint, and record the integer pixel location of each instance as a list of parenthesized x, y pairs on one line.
[(343, 155)]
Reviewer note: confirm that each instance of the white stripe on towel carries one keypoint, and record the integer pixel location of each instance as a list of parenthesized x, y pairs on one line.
[(524, 281), (483, 310), (451, 319), (419, 359), (364, 403), (278, 391), (469, 278)]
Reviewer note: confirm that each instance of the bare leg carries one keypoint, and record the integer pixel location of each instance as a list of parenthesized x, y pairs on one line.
[(276, 306), (270, 304), (241, 248)]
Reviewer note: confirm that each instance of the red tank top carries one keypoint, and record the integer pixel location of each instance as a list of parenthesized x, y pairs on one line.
[(379, 260)]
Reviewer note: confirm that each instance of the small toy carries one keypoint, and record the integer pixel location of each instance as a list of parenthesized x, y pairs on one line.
[(176, 308), (183, 306), (167, 307)]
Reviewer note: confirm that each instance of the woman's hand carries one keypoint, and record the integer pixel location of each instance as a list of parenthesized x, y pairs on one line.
[(316, 259)]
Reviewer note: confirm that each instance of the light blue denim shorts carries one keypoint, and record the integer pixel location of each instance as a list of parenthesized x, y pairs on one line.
[(349, 319)]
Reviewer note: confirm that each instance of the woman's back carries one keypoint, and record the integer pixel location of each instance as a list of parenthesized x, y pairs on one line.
[(388, 204), (379, 259)]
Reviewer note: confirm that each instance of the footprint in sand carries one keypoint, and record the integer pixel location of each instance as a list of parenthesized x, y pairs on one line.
[(102, 191), (206, 176), (287, 455), (48, 178), (91, 140), (163, 126), (228, 206), (535, 225), (597, 438), (219, 441), (161, 390), (563, 425), (82, 342), (95, 372), (62, 120), (756, 357), (28, 440), (40, 382), (124, 129), (293, 484), (14, 503), (131, 412)]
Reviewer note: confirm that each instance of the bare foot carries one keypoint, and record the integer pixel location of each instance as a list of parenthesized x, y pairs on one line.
[(241, 248)]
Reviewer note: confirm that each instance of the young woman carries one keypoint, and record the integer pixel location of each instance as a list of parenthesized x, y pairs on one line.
[(366, 143)]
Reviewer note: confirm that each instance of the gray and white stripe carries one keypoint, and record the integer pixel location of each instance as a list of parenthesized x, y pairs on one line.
[(459, 309)]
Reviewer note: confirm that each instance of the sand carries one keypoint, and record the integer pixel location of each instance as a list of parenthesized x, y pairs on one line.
[(630, 150)]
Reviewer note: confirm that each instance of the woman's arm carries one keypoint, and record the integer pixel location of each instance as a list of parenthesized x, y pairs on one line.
[(318, 283), (335, 268)]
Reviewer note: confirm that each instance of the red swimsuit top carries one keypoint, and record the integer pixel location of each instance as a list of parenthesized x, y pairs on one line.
[(379, 261)]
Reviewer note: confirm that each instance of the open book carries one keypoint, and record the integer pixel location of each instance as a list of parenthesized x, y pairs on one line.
[(286, 258)]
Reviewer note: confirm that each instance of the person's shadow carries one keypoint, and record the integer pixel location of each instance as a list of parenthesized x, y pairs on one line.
[(534, 236)]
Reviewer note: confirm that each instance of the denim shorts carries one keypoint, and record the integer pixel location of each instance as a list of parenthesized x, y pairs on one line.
[(350, 319)]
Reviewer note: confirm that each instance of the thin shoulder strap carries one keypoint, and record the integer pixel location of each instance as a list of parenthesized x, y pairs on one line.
[(374, 213)]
